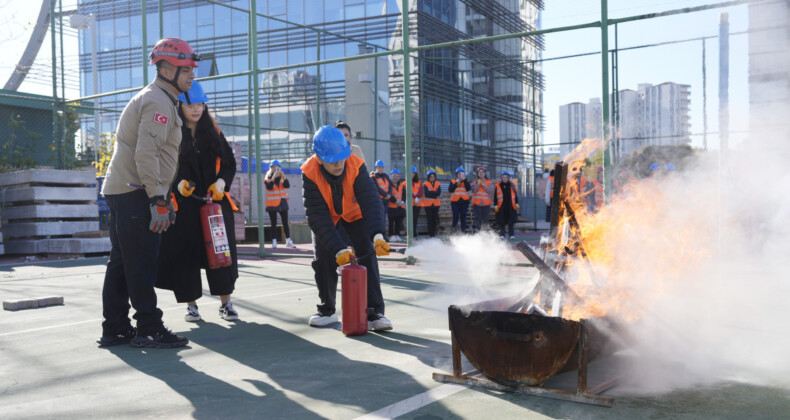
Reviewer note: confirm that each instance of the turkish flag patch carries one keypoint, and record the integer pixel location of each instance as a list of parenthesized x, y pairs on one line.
[(160, 118)]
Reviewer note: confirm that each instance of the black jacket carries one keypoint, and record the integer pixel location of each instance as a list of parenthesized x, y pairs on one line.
[(454, 186), (383, 193), (317, 211), (183, 253)]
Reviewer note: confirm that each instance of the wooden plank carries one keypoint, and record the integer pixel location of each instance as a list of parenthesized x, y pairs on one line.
[(546, 271), (560, 179), (557, 394)]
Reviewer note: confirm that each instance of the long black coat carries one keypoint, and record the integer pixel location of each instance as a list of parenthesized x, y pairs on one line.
[(183, 252), (317, 210)]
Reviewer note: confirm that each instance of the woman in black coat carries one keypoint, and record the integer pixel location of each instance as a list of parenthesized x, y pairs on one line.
[(206, 166)]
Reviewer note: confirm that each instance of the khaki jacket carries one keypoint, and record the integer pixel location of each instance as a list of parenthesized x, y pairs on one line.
[(148, 141)]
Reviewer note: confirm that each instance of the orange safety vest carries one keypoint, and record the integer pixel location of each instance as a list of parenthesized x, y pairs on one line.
[(578, 185), (415, 190), (227, 194), (397, 193), (382, 182), (500, 194), (276, 195), (551, 189), (479, 195), (431, 202), (351, 210), (460, 192), (598, 194)]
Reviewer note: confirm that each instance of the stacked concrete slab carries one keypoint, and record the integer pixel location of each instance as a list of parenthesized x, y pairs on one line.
[(49, 211)]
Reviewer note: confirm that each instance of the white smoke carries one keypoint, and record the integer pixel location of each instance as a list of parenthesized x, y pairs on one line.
[(469, 268), (705, 262)]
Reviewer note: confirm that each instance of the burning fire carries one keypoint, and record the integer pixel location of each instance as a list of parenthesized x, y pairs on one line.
[(599, 249)]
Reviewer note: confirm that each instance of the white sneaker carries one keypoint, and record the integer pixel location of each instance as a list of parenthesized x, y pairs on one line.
[(379, 323), (274, 243), (192, 314), (512, 238), (227, 312), (289, 243), (397, 238), (319, 320)]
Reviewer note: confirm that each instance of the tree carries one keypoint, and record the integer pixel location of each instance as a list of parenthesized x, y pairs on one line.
[(19, 148)]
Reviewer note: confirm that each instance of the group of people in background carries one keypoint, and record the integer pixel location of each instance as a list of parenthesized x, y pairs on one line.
[(480, 193)]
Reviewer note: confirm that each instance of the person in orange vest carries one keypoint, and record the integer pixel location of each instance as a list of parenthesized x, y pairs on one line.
[(337, 192), (598, 188), (417, 198), (581, 190), (277, 201), (383, 185), (396, 210), (460, 192), (549, 195), (482, 191), (432, 190), (506, 205), (206, 166)]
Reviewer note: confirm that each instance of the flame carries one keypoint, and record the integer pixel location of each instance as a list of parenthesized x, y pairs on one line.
[(599, 253)]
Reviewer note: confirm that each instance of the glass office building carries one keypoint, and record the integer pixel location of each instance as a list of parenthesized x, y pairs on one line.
[(471, 104)]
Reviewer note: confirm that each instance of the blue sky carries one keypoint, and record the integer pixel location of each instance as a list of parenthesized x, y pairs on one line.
[(569, 80), (579, 79)]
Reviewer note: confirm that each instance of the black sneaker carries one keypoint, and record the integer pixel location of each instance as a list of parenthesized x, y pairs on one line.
[(119, 338), (162, 339)]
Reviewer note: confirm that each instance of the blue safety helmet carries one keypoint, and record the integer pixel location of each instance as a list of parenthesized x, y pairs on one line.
[(275, 162), (330, 144), (459, 169), (194, 95), (379, 163), (395, 171), (670, 166), (504, 173), (430, 172), (653, 167), (413, 168)]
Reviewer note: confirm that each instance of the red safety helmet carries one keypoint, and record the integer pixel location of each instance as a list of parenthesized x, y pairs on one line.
[(175, 51)]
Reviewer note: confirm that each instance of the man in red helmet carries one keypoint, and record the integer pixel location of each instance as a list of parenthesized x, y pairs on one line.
[(137, 187)]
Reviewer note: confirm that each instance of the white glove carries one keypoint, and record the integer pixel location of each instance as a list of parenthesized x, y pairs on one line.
[(220, 185)]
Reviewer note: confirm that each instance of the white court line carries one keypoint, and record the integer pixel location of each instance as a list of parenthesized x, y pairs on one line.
[(165, 309), (410, 404)]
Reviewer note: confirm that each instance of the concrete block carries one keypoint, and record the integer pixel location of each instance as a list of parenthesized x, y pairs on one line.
[(51, 211), (2, 249), (31, 303), (25, 246), (48, 176), (58, 246), (56, 228), (15, 195), (78, 245)]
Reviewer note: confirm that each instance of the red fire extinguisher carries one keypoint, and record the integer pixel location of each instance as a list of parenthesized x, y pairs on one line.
[(214, 235), (355, 299)]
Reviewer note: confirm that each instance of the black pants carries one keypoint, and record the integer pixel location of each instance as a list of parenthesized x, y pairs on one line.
[(481, 216), (415, 218), (396, 217), (325, 269), (284, 217), (132, 267), (459, 212), (506, 218), (432, 213)]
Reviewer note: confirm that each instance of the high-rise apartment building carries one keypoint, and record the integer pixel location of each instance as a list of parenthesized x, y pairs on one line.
[(471, 104), (653, 115)]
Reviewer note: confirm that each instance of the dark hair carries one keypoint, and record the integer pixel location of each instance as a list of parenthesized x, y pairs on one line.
[(342, 124), (207, 129), (552, 172)]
